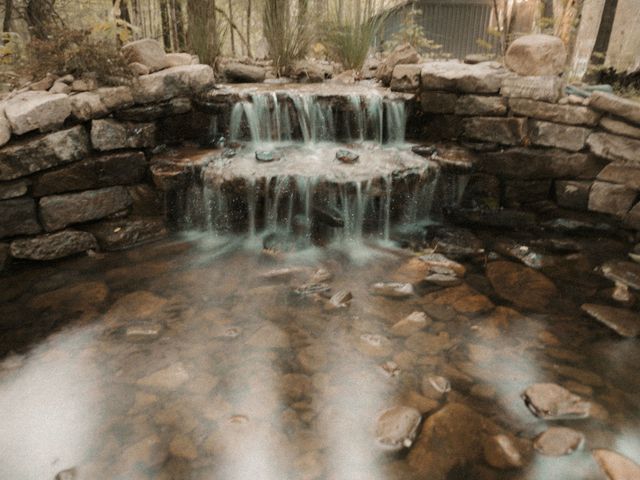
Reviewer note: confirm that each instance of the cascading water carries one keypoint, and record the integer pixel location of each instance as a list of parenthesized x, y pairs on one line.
[(307, 193), (269, 118)]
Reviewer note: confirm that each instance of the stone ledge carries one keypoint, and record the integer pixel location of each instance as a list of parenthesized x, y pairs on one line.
[(552, 112), (463, 78), (30, 156), (53, 246), (611, 198), (535, 164), (18, 217), (622, 107), (123, 168), (549, 134), (504, 131), (59, 211), (614, 147)]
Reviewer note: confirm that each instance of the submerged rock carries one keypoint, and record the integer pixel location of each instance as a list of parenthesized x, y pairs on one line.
[(627, 273), (622, 321), (616, 466), (267, 156), (443, 280), (520, 285), (450, 438), (455, 242), (340, 300), (553, 402), (397, 427), (411, 324), (345, 156), (558, 441), (502, 452), (435, 387), (439, 264), (392, 290), (328, 216), (522, 253), (70, 474), (424, 150)]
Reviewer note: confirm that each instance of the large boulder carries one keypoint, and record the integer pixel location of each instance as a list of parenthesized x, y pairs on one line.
[(148, 52), (18, 217), (40, 153), (53, 246), (401, 55), (536, 55), (173, 82), (59, 211), (113, 135), (243, 73), (42, 111)]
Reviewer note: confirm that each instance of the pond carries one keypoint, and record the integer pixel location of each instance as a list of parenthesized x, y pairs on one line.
[(205, 356)]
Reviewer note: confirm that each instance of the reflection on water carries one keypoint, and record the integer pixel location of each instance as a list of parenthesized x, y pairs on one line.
[(195, 358)]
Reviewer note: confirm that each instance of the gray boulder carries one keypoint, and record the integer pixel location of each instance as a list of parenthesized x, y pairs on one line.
[(148, 52), (536, 55)]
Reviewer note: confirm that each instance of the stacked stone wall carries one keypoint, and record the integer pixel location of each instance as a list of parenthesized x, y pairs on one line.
[(75, 167), (534, 143)]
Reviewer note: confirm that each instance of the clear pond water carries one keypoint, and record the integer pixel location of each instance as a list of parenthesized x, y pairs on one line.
[(197, 358)]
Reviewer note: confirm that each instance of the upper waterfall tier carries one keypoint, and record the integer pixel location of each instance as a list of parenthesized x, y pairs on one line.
[(267, 114)]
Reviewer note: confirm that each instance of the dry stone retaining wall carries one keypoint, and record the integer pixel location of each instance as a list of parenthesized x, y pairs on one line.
[(74, 168), (583, 154)]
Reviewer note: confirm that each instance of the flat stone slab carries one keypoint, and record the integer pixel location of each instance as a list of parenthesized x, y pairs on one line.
[(25, 157), (53, 246), (552, 112), (36, 110), (121, 168), (462, 77), (319, 165), (113, 135), (58, 211), (559, 441), (538, 164), (615, 147), (18, 217), (625, 323), (547, 89), (610, 103)]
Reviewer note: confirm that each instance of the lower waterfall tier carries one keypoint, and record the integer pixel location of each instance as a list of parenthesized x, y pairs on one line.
[(305, 192)]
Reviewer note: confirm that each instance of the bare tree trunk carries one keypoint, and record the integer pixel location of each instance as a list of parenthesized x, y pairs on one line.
[(248, 34), (41, 17), (233, 37), (8, 13)]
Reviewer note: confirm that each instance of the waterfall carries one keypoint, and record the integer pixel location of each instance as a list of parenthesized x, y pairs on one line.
[(270, 118), (308, 195)]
